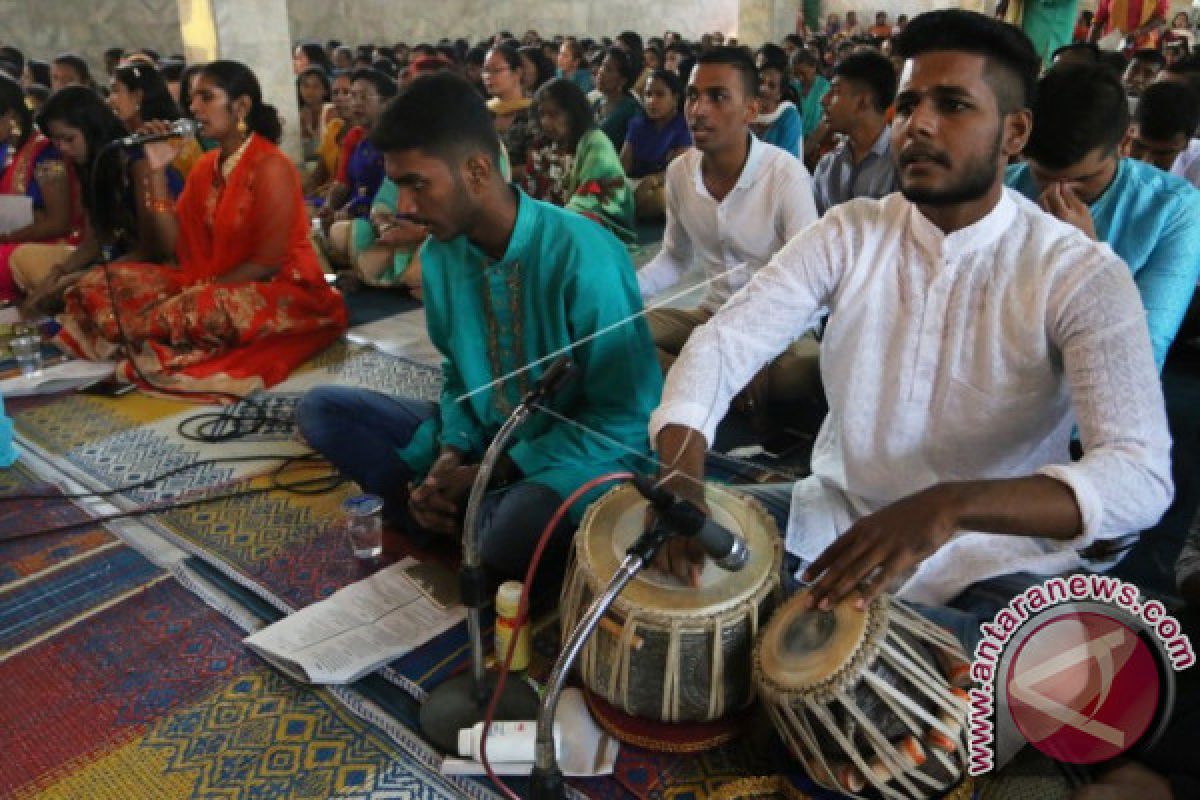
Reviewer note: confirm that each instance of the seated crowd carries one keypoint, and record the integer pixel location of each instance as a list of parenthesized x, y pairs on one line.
[(970, 253)]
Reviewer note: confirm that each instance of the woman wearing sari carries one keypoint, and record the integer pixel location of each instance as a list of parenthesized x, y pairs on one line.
[(118, 224), (316, 185), (247, 302), (33, 167), (503, 78), (577, 167)]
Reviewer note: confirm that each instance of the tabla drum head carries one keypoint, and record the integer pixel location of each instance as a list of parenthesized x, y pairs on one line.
[(613, 523), (807, 649)]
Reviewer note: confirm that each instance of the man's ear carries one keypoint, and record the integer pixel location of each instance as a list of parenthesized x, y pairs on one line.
[(477, 170), (753, 107), (1018, 125), (1126, 142)]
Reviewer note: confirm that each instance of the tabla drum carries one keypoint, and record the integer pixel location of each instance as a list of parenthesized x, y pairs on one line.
[(872, 703), (666, 651)]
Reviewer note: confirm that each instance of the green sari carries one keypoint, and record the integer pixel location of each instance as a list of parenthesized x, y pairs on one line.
[(591, 182)]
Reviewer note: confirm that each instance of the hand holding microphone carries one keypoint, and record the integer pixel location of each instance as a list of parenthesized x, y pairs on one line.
[(155, 136), (697, 533)]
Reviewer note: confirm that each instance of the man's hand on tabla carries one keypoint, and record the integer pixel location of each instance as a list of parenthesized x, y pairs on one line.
[(879, 548)]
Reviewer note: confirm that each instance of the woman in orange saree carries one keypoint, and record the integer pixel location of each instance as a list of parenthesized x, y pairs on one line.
[(247, 301)]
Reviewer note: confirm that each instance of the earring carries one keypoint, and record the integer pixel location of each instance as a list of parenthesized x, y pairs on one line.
[(241, 126)]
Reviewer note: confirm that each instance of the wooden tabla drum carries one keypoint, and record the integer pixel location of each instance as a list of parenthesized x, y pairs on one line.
[(666, 651), (872, 703)]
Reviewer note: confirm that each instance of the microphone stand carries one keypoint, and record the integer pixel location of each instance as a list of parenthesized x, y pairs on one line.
[(546, 780), (462, 701)]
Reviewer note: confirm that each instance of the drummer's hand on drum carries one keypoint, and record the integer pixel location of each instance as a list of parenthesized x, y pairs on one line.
[(878, 548), (679, 555)]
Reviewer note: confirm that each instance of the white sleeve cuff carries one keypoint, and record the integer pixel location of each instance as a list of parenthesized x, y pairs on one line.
[(689, 414)]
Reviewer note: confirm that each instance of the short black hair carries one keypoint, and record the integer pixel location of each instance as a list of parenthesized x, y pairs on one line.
[(772, 55), (76, 63), (872, 70), (382, 83), (12, 100), (1113, 61), (1089, 49), (1166, 110), (1187, 70), (13, 55), (739, 59), (1079, 108), (804, 56), (1151, 55), (442, 115), (1013, 63)]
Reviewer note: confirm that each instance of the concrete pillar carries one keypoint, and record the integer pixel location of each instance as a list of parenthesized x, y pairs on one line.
[(755, 22), (257, 34)]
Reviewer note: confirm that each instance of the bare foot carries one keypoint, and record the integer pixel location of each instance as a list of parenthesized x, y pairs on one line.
[(1128, 780)]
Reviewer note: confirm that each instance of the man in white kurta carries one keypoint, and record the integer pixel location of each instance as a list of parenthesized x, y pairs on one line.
[(968, 333)]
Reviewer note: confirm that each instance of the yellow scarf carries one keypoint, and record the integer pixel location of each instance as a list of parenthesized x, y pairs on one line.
[(501, 107)]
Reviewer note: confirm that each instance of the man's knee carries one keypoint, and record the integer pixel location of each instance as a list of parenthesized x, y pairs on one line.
[(324, 412)]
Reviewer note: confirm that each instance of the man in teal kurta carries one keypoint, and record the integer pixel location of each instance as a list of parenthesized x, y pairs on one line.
[(509, 283)]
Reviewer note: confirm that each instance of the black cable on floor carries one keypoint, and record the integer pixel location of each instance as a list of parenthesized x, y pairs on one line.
[(8, 498), (307, 486)]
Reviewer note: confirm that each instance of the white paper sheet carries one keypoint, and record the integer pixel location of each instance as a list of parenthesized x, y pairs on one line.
[(358, 629), (58, 378), (16, 211)]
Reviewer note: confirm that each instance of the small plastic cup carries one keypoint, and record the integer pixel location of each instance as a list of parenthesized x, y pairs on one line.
[(28, 351), (363, 523)]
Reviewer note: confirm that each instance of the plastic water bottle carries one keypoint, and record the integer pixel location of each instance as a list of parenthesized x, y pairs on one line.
[(8, 453), (363, 523)]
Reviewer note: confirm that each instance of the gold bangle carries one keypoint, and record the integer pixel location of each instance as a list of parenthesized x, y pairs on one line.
[(158, 205)]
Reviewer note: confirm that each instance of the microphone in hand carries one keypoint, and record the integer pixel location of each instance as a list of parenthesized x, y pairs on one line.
[(684, 518), (180, 128)]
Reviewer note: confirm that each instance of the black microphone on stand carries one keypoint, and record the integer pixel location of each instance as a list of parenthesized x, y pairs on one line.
[(461, 701), (678, 515), (181, 127)]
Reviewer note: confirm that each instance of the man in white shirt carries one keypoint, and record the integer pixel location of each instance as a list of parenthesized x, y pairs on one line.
[(968, 332), (732, 202)]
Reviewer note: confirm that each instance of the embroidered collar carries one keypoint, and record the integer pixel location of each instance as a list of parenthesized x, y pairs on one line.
[(231, 163)]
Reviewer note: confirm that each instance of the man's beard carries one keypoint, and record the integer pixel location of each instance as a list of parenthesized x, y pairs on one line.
[(978, 177)]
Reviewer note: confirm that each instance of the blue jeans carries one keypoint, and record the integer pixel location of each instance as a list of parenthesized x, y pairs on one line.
[(962, 616), (360, 432)]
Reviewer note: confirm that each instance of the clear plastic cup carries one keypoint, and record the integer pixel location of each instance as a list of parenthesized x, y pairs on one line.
[(363, 523), (28, 352)]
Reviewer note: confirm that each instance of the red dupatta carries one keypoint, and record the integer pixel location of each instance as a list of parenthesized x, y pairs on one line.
[(224, 223)]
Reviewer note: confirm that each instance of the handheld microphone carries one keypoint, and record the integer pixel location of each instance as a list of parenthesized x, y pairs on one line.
[(180, 127), (721, 544), (553, 379)]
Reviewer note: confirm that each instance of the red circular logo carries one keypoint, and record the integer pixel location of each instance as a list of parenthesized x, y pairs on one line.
[(1083, 687)]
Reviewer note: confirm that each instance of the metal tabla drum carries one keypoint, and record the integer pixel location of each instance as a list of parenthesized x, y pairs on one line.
[(868, 701), (667, 651)]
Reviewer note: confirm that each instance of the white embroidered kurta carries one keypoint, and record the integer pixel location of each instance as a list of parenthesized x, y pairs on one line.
[(947, 358), (729, 240)]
